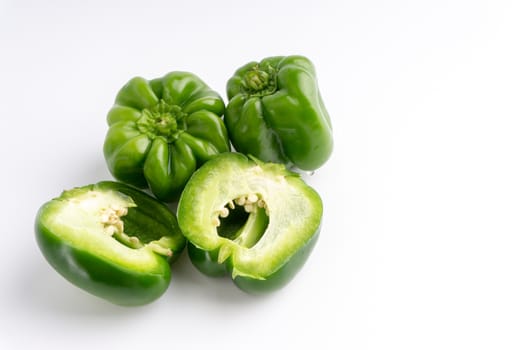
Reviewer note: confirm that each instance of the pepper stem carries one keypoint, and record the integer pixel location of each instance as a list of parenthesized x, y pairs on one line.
[(260, 81), (256, 80), (163, 120)]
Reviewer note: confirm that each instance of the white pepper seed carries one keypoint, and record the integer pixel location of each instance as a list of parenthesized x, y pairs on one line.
[(224, 212), (252, 198), (240, 201)]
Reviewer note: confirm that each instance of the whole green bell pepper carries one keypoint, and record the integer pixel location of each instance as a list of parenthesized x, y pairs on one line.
[(161, 130), (111, 240), (257, 221), (275, 112)]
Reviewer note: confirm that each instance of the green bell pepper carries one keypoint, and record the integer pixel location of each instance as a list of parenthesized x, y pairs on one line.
[(257, 221), (161, 130), (275, 112), (111, 240)]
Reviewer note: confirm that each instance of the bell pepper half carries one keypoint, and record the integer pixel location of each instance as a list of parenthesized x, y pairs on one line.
[(275, 112), (111, 240), (254, 220), (163, 129)]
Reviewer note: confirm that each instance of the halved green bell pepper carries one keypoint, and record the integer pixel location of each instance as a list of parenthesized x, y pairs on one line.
[(276, 113), (257, 221), (111, 240), (161, 130)]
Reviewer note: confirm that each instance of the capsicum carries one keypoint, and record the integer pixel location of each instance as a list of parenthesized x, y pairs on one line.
[(275, 112), (112, 240), (163, 129), (254, 220)]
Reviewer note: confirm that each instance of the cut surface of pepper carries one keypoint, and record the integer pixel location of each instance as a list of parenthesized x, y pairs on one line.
[(111, 240), (257, 221)]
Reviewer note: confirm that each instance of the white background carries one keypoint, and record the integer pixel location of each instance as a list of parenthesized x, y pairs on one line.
[(423, 243)]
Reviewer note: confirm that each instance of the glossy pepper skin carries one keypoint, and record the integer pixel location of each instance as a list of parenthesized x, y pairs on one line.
[(111, 240), (275, 112), (256, 221), (162, 130)]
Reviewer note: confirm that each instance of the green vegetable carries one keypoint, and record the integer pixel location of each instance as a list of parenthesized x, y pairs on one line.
[(257, 221), (275, 112), (111, 240), (161, 130)]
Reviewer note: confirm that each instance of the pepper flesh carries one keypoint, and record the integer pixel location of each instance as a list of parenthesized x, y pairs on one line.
[(266, 247), (111, 240), (275, 112), (161, 130)]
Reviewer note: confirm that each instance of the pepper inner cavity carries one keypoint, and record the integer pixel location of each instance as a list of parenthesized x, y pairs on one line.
[(113, 225), (110, 218), (242, 220)]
